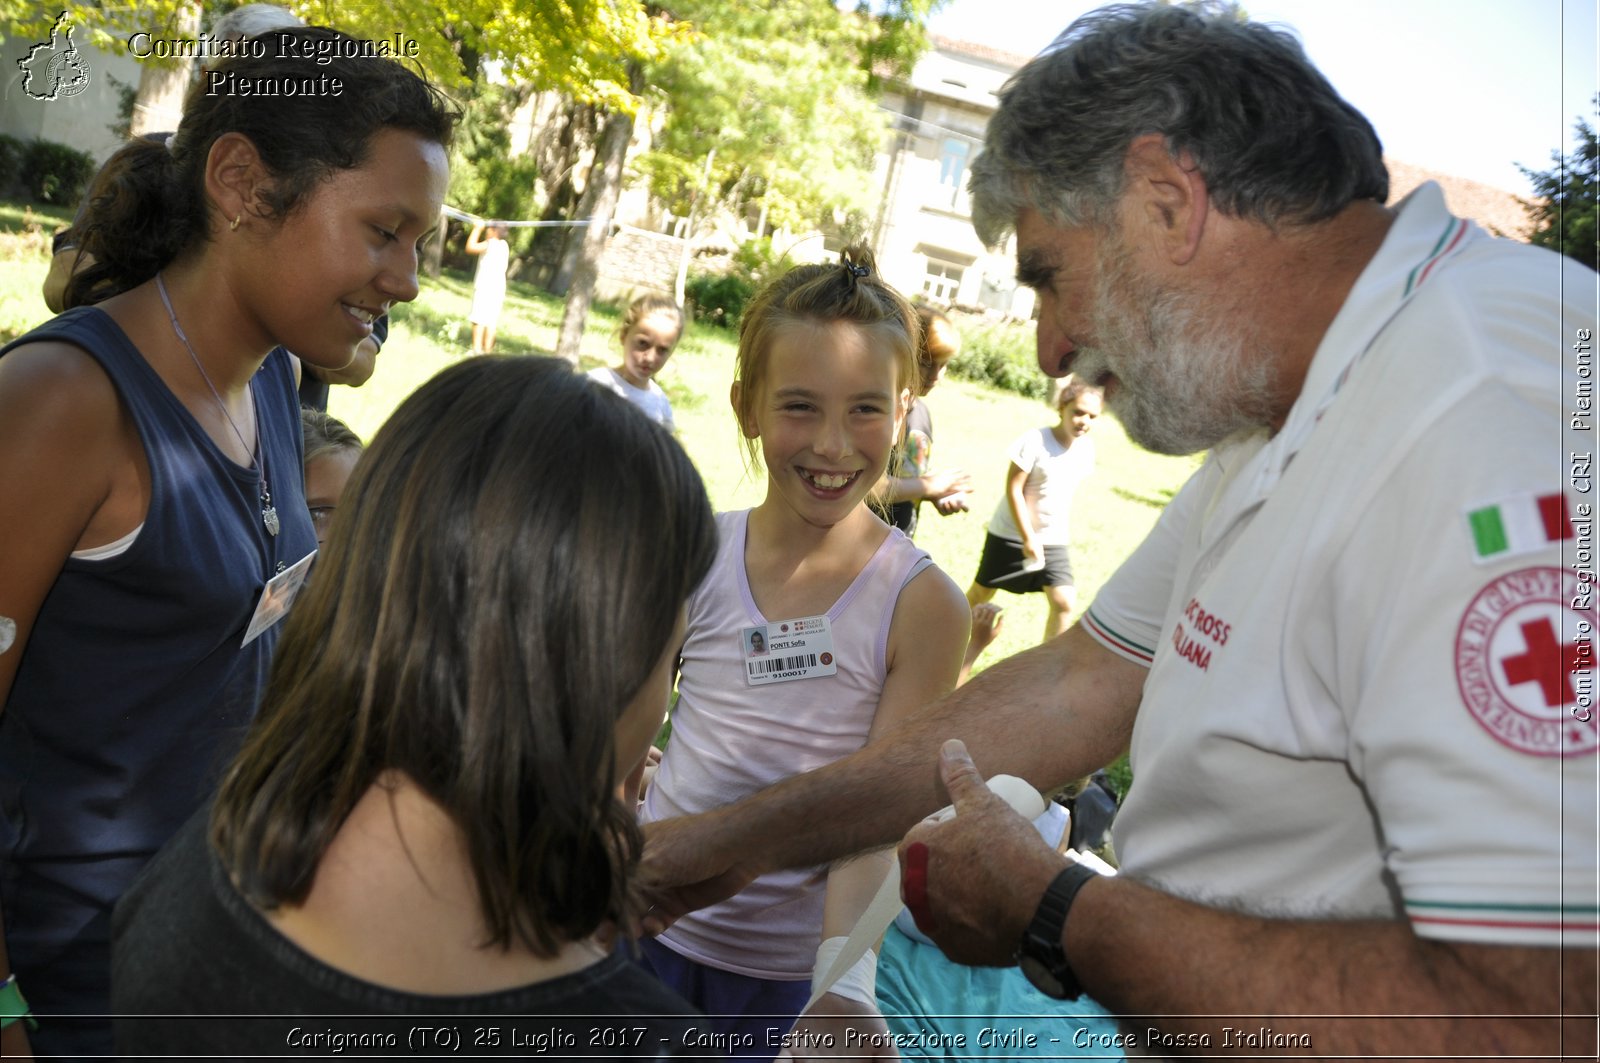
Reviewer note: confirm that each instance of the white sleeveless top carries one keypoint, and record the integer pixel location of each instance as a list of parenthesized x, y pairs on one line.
[(730, 739)]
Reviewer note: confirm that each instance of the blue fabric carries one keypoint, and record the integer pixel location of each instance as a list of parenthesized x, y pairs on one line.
[(749, 1015), (941, 1010), (133, 689)]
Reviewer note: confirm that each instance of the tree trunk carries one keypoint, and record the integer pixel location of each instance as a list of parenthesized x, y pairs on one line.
[(158, 103), (598, 204)]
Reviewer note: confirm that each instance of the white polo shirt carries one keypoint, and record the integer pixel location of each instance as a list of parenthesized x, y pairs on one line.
[(1367, 689)]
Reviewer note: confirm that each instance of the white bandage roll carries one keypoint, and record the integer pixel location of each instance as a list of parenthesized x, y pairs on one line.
[(858, 982)]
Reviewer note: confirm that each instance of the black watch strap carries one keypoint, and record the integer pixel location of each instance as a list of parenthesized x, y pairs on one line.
[(1041, 955)]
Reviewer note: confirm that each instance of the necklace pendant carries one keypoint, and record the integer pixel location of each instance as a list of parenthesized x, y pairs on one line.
[(269, 517)]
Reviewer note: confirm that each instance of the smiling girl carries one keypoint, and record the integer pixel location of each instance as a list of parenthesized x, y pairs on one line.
[(152, 517), (860, 631)]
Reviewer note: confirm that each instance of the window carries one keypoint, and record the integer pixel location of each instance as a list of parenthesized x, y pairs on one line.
[(942, 281), (953, 168)]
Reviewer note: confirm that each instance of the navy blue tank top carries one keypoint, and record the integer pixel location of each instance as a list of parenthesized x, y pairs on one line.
[(133, 689)]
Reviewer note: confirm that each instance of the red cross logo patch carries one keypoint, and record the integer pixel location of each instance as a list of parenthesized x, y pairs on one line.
[(1525, 662)]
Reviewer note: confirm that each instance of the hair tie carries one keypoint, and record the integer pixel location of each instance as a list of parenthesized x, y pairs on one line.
[(857, 271)]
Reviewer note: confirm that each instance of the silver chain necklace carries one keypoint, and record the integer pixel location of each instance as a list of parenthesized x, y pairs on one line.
[(269, 513)]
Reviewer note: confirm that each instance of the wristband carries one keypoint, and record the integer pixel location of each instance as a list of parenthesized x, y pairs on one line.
[(858, 982), (13, 1006)]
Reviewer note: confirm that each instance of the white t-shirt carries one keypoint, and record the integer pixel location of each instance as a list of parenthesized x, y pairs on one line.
[(1054, 473), (652, 400), (1356, 706)]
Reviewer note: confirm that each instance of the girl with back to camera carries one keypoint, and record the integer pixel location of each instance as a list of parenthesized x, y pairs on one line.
[(423, 819), (861, 630), (151, 508)]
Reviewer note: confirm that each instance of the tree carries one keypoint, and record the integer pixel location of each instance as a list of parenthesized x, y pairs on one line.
[(784, 93), (598, 203), (1566, 216)]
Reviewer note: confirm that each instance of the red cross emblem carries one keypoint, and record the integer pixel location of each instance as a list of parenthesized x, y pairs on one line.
[(1525, 662), (1548, 663)]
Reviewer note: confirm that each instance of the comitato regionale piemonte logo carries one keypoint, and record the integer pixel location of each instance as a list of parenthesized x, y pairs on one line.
[(55, 69)]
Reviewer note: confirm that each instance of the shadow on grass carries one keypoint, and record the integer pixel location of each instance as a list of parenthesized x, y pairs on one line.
[(1157, 500)]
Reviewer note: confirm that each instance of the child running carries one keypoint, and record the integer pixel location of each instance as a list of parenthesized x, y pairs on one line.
[(1026, 547), (860, 631), (650, 330)]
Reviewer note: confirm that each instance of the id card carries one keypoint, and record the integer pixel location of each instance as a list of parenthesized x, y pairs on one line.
[(787, 650), (276, 597)]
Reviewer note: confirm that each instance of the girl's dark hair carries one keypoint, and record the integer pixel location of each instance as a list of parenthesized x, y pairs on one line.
[(148, 202), (504, 572)]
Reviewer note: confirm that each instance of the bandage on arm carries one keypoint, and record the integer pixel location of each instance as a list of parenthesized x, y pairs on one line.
[(847, 966)]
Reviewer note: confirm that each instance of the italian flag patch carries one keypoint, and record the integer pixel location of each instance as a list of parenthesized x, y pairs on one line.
[(1518, 525)]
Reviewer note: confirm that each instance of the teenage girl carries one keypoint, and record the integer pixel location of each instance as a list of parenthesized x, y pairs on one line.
[(150, 478), (861, 631), (650, 330), (331, 452), (423, 820)]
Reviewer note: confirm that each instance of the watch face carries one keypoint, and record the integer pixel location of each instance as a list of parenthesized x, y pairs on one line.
[(1042, 978)]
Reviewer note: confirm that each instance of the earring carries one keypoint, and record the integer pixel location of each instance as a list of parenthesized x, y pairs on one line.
[(235, 225)]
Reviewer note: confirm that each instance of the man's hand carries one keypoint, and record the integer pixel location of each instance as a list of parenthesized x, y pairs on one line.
[(837, 1026), (685, 868), (973, 881)]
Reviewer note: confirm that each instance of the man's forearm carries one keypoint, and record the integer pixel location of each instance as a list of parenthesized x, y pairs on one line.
[(1050, 715), (1368, 989)]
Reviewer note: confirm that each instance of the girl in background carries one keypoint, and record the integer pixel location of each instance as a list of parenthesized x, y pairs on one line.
[(331, 452), (911, 479), (152, 520), (488, 283), (650, 330), (860, 631), (423, 820)]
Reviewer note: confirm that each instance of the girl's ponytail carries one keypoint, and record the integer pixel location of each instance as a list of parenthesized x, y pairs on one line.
[(139, 213)]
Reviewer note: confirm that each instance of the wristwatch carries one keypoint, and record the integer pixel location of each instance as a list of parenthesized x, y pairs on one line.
[(1041, 956)]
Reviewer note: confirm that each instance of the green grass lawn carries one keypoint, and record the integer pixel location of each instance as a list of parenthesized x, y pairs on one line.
[(973, 424)]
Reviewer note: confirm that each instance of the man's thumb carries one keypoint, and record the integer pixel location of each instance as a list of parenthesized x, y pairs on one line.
[(960, 775)]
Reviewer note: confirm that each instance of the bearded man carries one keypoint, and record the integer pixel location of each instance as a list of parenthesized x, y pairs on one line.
[(1354, 657)]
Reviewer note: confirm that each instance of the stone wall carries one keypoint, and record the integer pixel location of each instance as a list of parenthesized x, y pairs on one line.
[(637, 261)]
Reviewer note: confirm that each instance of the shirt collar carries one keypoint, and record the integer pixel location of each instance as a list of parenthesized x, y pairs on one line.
[(1423, 234)]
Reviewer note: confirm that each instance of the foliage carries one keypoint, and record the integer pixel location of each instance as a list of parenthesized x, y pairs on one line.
[(1566, 214), (1002, 355), (55, 173), (485, 179), (718, 297), (11, 150), (894, 37), (769, 108), (580, 47)]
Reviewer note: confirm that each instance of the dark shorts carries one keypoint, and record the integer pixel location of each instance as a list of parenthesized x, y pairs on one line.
[(1001, 567)]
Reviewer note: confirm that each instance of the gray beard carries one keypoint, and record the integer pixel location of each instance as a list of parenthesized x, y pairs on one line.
[(1186, 375)]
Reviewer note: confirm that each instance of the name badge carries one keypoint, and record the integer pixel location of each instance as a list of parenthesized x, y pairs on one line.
[(787, 650), (276, 597)]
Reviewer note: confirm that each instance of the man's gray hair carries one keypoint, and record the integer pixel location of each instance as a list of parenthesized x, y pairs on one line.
[(1272, 138), (248, 20)]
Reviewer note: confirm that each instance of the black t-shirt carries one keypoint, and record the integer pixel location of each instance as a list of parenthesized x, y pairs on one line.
[(196, 971)]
